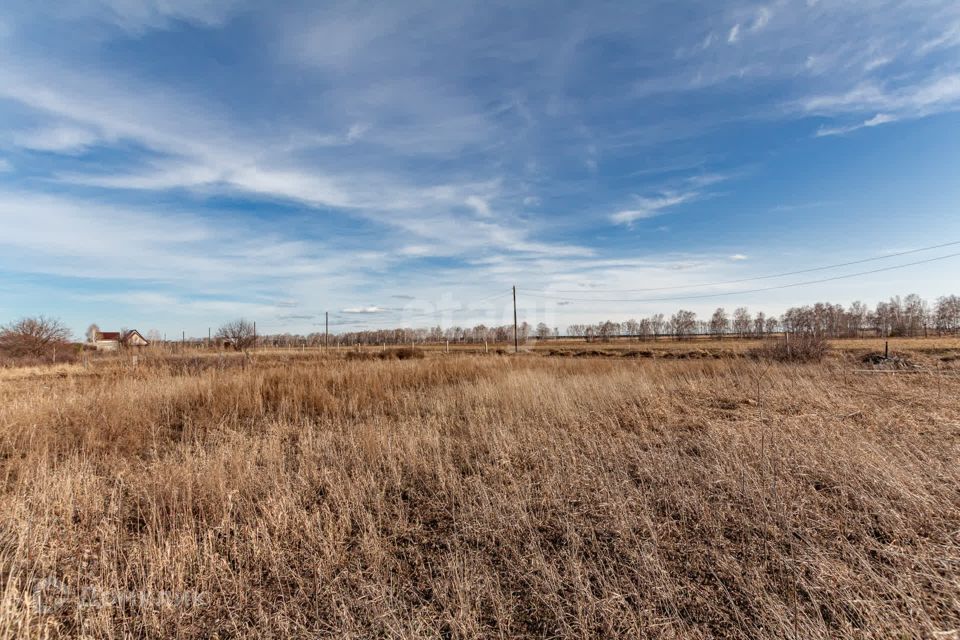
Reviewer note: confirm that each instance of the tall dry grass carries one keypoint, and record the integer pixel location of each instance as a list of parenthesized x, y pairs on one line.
[(471, 496)]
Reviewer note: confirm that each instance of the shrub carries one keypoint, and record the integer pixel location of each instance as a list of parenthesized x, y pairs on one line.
[(404, 353), (37, 338), (800, 347)]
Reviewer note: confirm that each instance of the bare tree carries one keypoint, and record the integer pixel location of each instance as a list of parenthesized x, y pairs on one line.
[(93, 332), (644, 328), (719, 323), (33, 336), (543, 331), (742, 321), (683, 323), (523, 331), (771, 325), (947, 314), (856, 317), (607, 330), (657, 324), (759, 322), (239, 334)]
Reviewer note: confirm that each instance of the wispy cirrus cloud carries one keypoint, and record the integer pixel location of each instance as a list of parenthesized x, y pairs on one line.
[(733, 35), (946, 39), (936, 93), (57, 138), (136, 17), (760, 19), (649, 207), (877, 120)]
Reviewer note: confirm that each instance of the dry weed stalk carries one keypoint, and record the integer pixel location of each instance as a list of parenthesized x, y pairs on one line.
[(476, 496)]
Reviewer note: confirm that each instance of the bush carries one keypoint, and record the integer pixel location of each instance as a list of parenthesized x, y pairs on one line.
[(799, 347), (402, 353), (37, 338)]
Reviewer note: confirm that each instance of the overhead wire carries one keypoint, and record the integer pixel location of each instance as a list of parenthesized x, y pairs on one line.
[(764, 277), (745, 291)]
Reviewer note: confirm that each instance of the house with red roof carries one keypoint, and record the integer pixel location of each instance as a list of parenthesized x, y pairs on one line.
[(114, 340)]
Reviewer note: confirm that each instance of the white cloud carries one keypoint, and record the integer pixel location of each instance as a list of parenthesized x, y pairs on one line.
[(946, 39), (89, 238), (56, 138), (356, 131), (876, 63), (685, 190), (734, 34), (140, 15), (880, 118), (5, 165), (936, 94), (479, 205), (707, 179), (652, 207), (364, 310), (761, 19), (197, 149), (737, 257)]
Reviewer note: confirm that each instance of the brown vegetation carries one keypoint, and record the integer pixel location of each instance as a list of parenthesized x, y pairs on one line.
[(33, 340), (239, 334), (801, 347), (472, 496)]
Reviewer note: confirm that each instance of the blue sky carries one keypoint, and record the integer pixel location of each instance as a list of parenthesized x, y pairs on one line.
[(175, 164)]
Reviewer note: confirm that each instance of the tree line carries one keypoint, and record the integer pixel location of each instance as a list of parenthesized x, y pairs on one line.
[(907, 316), (399, 336)]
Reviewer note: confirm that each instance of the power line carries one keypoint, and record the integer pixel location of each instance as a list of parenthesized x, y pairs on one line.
[(766, 277), (746, 291)]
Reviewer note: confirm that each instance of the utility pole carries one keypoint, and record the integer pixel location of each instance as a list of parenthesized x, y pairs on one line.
[(326, 330), (516, 339), (254, 334)]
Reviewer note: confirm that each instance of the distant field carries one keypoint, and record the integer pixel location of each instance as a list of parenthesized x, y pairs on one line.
[(736, 344), (567, 494)]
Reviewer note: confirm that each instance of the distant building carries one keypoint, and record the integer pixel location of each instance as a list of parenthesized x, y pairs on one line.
[(108, 340), (113, 340), (133, 338)]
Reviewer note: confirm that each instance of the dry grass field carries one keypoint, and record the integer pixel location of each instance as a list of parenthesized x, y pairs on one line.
[(468, 496)]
